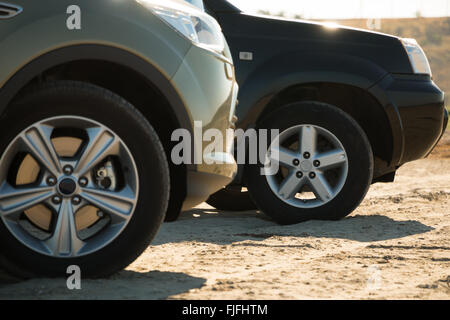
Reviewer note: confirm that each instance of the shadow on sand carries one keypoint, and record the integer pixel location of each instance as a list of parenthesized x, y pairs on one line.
[(213, 226), (124, 285), (216, 227)]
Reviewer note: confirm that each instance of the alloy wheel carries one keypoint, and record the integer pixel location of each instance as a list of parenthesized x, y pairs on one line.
[(313, 166), (68, 186)]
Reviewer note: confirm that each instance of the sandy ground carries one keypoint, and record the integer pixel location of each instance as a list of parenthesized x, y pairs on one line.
[(396, 245)]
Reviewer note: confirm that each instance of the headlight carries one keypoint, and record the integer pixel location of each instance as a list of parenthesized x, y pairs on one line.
[(417, 57), (199, 27)]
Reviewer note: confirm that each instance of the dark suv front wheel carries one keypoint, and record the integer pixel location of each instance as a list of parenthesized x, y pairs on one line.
[(83, 181), (325, 165)]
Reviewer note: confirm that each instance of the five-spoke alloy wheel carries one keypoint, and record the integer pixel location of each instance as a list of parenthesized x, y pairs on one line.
[(311, 166), (324, 164), (59, 187)]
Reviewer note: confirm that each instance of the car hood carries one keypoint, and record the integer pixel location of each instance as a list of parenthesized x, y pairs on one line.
[(382, 49), (274, 26), (175, 4)]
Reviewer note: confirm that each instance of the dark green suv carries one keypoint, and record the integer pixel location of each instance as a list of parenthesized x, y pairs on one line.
[(90, 93), (351, 105)]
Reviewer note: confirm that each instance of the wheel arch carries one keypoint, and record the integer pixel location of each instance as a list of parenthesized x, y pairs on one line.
[(104, 53), (272, 75)]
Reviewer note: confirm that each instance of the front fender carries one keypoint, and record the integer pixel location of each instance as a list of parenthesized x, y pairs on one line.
[(275, 75)]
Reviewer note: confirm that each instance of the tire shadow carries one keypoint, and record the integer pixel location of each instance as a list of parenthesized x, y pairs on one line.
[(219, 227), (153, 285)]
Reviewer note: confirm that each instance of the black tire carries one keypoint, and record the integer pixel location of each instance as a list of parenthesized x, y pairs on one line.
[(359, 155), (62, 98), (175, 202), (177, 190), (232, 198)]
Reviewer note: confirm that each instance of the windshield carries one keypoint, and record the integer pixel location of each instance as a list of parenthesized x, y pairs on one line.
[(197, 3)]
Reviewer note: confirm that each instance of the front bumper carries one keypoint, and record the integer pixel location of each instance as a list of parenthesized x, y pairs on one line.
[(207, 84), (416, 110)]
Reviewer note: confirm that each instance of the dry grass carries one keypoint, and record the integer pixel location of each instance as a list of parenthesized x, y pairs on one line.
[(442, 150)]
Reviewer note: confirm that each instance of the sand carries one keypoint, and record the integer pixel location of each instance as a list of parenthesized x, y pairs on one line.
[(396, 245)]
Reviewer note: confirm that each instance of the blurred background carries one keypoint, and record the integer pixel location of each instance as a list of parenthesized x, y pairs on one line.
[(428, 21)]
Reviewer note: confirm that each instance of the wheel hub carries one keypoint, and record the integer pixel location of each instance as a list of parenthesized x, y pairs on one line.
[(67, 187), (306, 165)]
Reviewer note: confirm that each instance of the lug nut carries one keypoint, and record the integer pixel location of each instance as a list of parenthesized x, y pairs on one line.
[(306, 155), (316, 163), (312, 175), (83, 181), (299, 174), (76, 200), (296, 162), (51, 181), (56, 199), (67, 170)]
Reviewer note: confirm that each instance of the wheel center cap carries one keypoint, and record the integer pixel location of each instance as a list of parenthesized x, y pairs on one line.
[(306, 165), (67, 186)]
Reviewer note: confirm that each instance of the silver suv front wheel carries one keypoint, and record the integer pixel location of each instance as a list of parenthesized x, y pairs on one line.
[(72, 188), (71, 191)]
